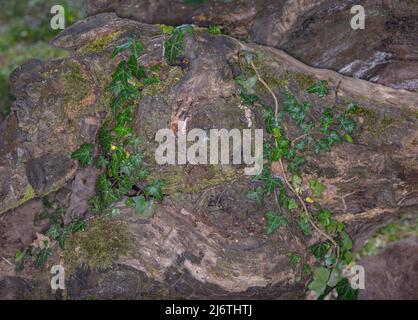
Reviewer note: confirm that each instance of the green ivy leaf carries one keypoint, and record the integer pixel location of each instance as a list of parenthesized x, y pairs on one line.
[(274, 221), (143, 208), (317, 187), (320, 88), (321, 274), (345, 291), (121, 131), (256, 195), (324, 217), (317, 286), (247, 84), (84, 155), (305, 226), (155, 190), (319, 250), (348, 138), (292, 204), (295, 259), (42, 256), (174, 45)]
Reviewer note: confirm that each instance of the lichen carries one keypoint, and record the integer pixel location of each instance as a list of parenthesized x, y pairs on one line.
[(100, 43), (75, 82), (385, 123), (303, 80), (174, 75), (178, 180), (28, 195), (104, 240)]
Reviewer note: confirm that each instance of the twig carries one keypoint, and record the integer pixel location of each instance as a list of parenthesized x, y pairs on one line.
[(8, 261), (336, 93)]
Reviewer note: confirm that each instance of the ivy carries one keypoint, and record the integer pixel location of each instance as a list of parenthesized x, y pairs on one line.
[(316, 187), (333, 251), (174, 44), (57, 232), (84, 155), (320, 88), (274, 221)]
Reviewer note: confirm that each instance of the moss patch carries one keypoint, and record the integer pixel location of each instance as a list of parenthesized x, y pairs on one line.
[(100, 43), (28, 195), (174, 75), (303, 80), (395, 231), (100, 245)]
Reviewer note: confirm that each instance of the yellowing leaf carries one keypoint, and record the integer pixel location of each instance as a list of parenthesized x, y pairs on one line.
[(309, 200)]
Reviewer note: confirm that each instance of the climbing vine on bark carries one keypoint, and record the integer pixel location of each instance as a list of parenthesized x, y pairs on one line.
[(333, 250)]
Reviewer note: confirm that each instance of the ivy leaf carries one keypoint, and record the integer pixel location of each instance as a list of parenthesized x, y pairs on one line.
[(295, 259), (321, 274), (155, 190), (54, 231), (346, 243), (137, 71), (166, 29), (292, 204), (76, 226), (135, 46), (327, 118), (317, 286), (319, 250), (334, 278), (305, 226), (348, 138), (248, 99), (143, 208), (174, 45), (270, 184), (320, 88), (274, 221), (42, 256), (121, 48), (283, 198), (346, 124), (121, 131), (101, 162), (121, 74), (345, 291), (317, 187), (105, 138), (84, 155), (247, 84), (19, 256), (324, 217), (256, 195), (106, 192)]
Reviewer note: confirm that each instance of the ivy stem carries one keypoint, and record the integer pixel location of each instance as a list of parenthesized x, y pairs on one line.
[(289, 185)]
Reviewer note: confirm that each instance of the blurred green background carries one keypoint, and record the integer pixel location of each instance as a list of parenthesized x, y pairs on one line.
[(24, 34)]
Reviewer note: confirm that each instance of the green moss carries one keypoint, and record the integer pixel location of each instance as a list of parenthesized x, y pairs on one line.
[(174, 75), (100, 43), (303, 80), (385, 123), (406, 227), (100, 245), (76, 84), (28, 195)]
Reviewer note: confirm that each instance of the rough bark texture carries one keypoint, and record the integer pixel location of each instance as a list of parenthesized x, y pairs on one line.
[(206, 240), (317, 32)]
